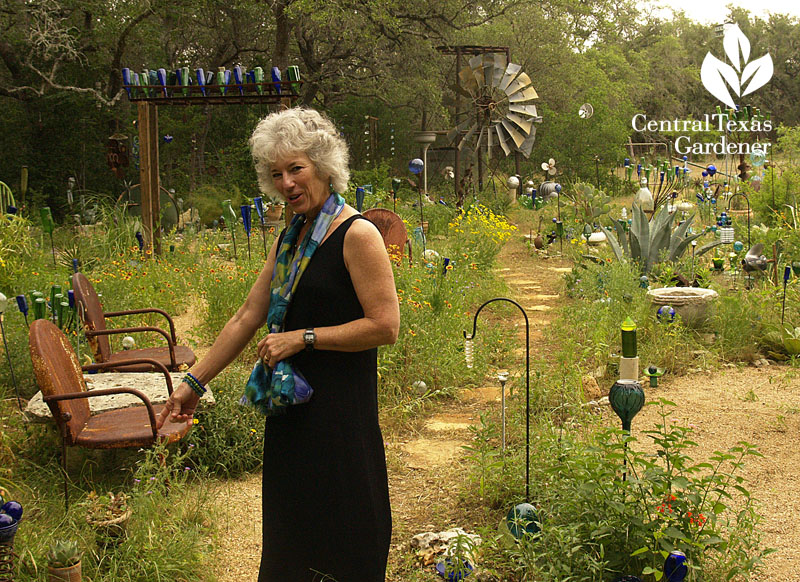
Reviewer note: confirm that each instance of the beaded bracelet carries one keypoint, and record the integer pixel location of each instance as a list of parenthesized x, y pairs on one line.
[(194, 384)]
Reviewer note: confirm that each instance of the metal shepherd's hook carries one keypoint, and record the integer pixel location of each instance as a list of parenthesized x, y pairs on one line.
[(468, 353)]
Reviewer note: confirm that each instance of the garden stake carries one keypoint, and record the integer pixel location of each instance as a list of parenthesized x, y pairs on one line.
[(3, 305), (468, 353), (416, 166), (786, 272), (258, 201), (502, 376)]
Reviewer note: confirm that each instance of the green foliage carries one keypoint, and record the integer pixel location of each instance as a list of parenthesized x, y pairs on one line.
[(16, 251), (64, 553), (650, 242), (602, 516), (228, 438)]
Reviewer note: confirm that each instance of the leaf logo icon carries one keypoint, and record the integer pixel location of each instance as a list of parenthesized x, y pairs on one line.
[(718, 76)]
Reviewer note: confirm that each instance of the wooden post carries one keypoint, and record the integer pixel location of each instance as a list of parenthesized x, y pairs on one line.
[(148, 175)]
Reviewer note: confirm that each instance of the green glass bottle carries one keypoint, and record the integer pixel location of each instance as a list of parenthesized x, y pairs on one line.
[(628, 338)]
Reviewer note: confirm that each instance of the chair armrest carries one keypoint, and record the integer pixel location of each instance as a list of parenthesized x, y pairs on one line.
[(146, 310), (119, 330), (106, 392), (155, 363)]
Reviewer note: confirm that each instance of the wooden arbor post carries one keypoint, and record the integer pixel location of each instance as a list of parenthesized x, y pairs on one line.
[(148, 176)]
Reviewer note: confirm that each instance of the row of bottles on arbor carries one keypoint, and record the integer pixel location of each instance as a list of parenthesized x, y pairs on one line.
[(158, 83)]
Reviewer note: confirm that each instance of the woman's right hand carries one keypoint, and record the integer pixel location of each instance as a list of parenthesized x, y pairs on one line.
[(180, 406)]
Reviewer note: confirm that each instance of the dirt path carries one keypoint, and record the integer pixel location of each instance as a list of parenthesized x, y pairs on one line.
[(761, 406)]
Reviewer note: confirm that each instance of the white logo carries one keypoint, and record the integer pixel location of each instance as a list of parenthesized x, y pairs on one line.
[(715, 74)]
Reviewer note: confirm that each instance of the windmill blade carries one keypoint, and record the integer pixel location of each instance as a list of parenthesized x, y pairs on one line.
[(453, 133), (478, 143), (525, 95), (469, 135), (468, 82), (522, 81), (476, 66), (501, 138), (489, 142), (512, 70), (488, 69), (524, 124), (515, 134), (458, 89), (500, 64), (529, 110), (527, 145)]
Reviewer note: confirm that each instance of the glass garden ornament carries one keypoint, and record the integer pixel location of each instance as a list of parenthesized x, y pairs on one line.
[(626, 398), (468, 351), (416, 166), (712, 169), (628, 328), (128, 343), (644, 198), (787, 272), (666, 314), (738, 246), (654, 374), (522, 520), (246, 214), (22, 304), (675, 567)]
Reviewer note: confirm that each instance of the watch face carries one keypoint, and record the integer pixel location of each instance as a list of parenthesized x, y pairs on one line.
[(309, 337)]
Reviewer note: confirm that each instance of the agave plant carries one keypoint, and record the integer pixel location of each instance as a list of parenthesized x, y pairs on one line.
[(650, 242)]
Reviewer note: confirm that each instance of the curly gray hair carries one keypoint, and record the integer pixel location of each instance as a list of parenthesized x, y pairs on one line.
[(299, 130)]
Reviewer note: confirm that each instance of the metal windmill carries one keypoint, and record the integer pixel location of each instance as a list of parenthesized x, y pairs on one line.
[(502, 115)]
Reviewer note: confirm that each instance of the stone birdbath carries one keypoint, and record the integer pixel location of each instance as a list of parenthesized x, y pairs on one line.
[(691, 303)]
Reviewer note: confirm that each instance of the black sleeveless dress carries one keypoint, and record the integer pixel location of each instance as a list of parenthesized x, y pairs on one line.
[(325, 489)]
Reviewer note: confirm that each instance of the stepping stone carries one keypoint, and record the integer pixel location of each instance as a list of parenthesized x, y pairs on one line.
[(543, 297), (560, 269), (426, 453), (538, 308), (483, 394), (532, 288), (523, 282), (448, 422)]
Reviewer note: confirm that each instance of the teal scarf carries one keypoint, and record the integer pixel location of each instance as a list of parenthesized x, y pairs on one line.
[(271, 391)]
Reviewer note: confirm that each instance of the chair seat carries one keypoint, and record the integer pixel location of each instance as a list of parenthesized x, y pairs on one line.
[(127, 427), (183, 355)]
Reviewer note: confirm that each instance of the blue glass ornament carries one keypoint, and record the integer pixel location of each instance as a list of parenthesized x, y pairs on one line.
[(360, 193), (738, 246), (22, 303), (259, 203), (704, 174), (675, 567), (685, 158), (644, 281), (712, 169), (522, 519), (246, 214), (415, 166), (168, 138), (12, 508), (455, 573), (627, 162), (140, 240), (71, 298), (558, 188), (665, 314)]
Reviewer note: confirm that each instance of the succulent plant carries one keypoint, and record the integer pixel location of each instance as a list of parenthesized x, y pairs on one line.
[(590, 202), (650, 242), (64, 553)]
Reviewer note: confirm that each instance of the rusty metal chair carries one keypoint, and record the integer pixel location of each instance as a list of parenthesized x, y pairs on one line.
[(392, 229), (60, 378), (173, 356)]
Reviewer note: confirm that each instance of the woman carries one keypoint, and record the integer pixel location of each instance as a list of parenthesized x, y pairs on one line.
[(325, 493)]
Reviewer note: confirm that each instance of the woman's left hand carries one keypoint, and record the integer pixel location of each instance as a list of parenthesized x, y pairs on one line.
[(279, 346)]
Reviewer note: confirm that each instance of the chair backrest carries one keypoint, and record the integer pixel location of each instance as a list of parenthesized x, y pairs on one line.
[(91, 314), (57, 371), (391, 227)]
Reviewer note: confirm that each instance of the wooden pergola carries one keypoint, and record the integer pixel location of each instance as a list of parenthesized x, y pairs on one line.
[(278, 93)]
